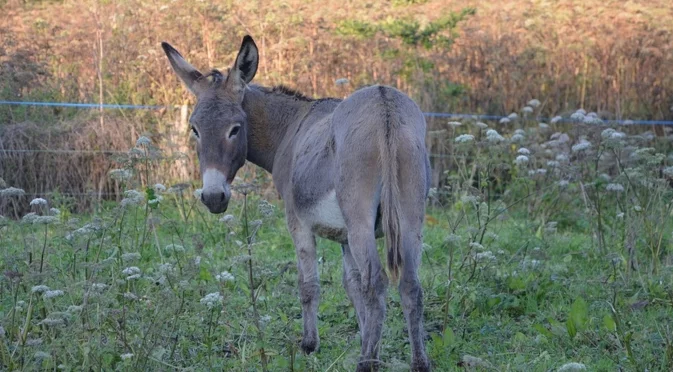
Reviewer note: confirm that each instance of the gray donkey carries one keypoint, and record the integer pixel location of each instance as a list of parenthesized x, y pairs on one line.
[(348, 170)]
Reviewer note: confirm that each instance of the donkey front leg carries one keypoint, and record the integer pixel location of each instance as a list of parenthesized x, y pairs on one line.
[(309, 286)]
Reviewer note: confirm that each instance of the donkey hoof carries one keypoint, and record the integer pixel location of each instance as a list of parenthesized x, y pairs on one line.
[(367, 366), (309, 345), (421, 366)]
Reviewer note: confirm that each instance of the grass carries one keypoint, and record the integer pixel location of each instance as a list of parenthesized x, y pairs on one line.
[(543, 248), (512, 308)]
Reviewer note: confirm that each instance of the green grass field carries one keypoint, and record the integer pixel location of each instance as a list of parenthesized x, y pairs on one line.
[(519, 301), (529, 264)]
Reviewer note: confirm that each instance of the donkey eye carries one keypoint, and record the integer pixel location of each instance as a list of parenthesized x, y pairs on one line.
[(196, 133), (234, 131)]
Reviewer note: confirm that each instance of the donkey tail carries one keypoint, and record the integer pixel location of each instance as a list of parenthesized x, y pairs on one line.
[(390, 194)]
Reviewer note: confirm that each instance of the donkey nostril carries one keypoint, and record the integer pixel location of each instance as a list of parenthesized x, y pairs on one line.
[(222, 197)]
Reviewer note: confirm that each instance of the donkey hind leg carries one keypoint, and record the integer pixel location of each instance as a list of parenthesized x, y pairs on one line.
[(309, 286), (373, 279), (353, 284), (411, 295)]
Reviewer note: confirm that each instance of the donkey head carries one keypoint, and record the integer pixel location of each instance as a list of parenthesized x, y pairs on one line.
[(218, 120)]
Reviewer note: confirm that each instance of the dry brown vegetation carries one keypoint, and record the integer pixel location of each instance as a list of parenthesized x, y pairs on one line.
[(612, 57)]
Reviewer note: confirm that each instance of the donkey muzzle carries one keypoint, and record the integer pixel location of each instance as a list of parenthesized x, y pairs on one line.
[(216, 193)]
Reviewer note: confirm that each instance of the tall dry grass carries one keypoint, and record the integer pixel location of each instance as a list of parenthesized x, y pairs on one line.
[(605, 56)]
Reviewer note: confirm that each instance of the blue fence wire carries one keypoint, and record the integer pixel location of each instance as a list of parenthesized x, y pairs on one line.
[(446, 115)]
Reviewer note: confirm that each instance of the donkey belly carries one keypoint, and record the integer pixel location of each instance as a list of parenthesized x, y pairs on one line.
[(326, 219)]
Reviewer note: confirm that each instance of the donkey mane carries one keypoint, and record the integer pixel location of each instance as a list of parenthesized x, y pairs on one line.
[(285, 91)]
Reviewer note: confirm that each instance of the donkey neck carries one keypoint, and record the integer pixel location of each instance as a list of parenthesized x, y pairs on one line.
[(270, 112)]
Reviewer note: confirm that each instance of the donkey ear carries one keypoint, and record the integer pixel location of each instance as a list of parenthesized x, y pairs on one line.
[(187, 73), (246, 60)]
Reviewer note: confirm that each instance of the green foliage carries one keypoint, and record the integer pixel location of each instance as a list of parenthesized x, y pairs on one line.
[(409, 31)]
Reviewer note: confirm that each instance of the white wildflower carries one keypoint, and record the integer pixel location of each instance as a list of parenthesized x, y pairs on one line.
[(521, 160), (55, 211), (571, 367), (543, 125), (98, 287), (131, 270), (51, 322), (265, 319), (174, 248), (75, 308), (197, 260), (212, 299), (553, 164), (159, 187), (476, 246), (120, 174), (541, 171), (197, 193), (224, 276), (41, 355), (227, 218), (516, 138), (143, 141), (130, 296), (12, 191), (481, 125), (563, 183), (52, 294), (38, 201), (45, 220), (432, 192), (464, 138), (668, 171), (577, 116), (126, 356), (133, 277), (556, 119), (132, 197), (534, 103), (615, 187), (265, 208), (513, 116), (582, 145), (165, 268), (562, 158), (581, 111), (638, 208), (454, 124), (131, 256), (527, 110), (485, 256), (493, 136), (29, 218), (469, 199), (39, 289), (504, 121), (34, 342), (341, 82), (156, 200), (524, 151)]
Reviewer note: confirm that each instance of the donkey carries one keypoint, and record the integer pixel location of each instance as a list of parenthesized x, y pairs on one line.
[(349, 170)]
